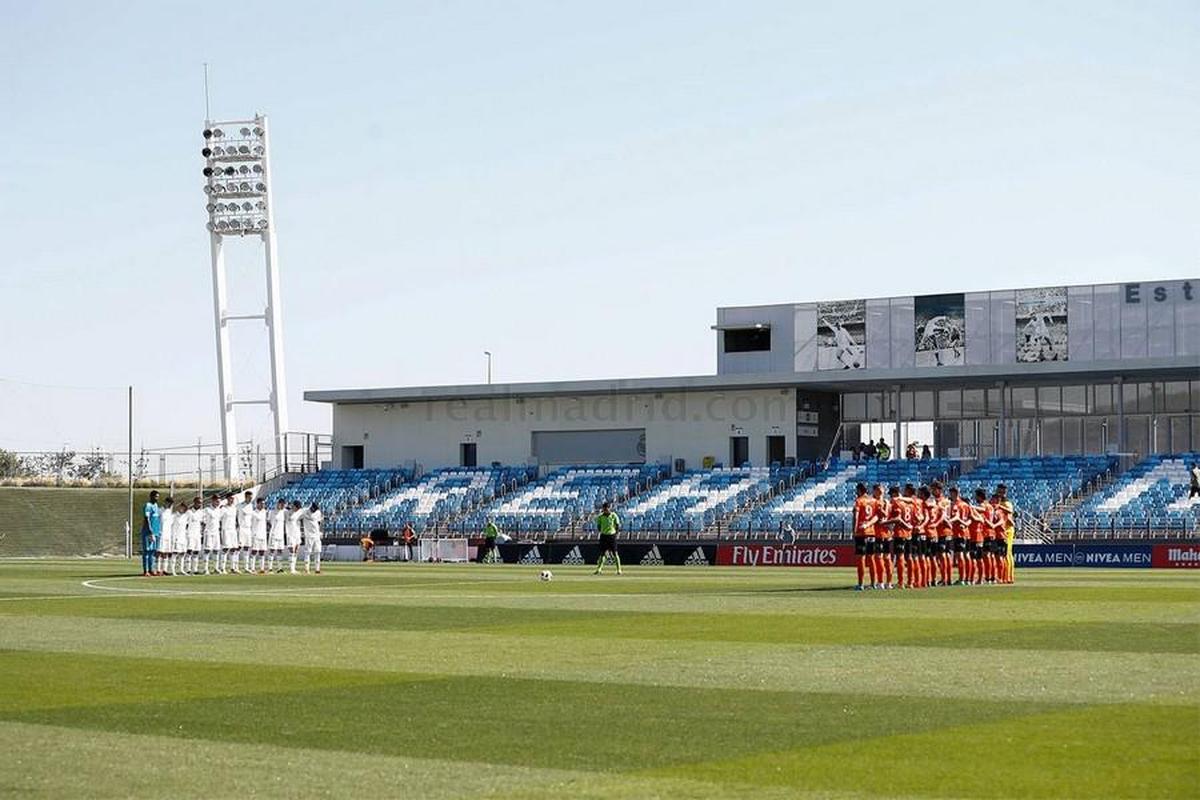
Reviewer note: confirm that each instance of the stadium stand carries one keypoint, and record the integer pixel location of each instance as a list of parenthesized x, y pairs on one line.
[(698, 500), (337, 489), (821, 504), (1037, 484), (566, 494), (1151, 497), (433, 499)]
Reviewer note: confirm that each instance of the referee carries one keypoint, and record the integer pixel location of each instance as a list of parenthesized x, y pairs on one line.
[(608, 523)]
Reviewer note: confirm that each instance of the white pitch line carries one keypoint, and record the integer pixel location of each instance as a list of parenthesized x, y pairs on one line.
[(94, 583)]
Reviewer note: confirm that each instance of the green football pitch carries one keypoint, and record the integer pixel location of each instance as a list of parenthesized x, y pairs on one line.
[(482, 681)]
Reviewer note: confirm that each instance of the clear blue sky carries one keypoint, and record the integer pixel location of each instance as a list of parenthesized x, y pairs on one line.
[(574, 186)]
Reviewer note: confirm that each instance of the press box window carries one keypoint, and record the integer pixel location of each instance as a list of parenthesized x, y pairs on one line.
[(747, 340)]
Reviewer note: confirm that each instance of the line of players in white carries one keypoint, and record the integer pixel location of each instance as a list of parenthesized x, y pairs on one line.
[(236, 538)]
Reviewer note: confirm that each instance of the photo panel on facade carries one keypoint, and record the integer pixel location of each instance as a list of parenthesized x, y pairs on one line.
[(940, 330), (1041, 325), (842, 334)]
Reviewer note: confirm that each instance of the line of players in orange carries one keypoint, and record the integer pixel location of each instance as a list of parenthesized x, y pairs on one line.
[(916, 538)]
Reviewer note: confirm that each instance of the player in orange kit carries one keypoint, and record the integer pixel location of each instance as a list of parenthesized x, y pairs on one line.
[(944, 554), (883, 541), (900, 515), (960, 522), (865, 513)]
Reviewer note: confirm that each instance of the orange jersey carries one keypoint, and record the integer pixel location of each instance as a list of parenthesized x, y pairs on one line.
[(865, 510), (1005, 515), (884, 514), (962, 518), (919, 515), (944, 529), (902, 516), (932, 514), (981, 515)]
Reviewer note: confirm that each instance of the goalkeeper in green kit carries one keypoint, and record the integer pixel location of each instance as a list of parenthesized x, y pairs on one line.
[(608, 523)]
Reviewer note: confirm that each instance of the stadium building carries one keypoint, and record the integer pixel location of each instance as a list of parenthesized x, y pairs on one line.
[(1086, 399), (1078, 370)]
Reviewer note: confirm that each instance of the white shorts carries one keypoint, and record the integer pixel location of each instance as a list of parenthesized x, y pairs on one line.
[(245, 538), (314, 546), (212, 540), (275, 542), (292, 539), (258, 543), (229, 538), (193, 541)]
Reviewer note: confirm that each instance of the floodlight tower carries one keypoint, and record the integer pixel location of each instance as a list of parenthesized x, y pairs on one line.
[(237, 172)]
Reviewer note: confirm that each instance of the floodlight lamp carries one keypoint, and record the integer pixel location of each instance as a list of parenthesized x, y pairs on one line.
[(243, 187), (230, 171), (210, 208), (208, 133), (259, 150), (206, 152), (258, 131), (260, 187), (218, 152), (261, 205), (243, 150), (247, 206), (235, 224), (243, 169), (218, 133), (210, 226), (244, 131), (257, 169), (222, 225), (208, 172), (262, 224)]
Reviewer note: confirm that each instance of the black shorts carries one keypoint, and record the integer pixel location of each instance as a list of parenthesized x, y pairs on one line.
[(977, 551), (901, 547), (961, 545), (608, 543), (863, 545), (920, 546), (945, 546)]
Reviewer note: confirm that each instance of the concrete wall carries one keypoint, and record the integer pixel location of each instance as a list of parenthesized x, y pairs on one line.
[(688, 425)]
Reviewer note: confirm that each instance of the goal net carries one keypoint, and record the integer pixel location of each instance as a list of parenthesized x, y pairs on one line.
[(444, 550)]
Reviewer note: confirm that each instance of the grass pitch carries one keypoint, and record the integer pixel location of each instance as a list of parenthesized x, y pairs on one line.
[(482, 682)]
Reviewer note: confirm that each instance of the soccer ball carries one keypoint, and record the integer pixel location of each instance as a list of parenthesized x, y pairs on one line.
[(546, 575)]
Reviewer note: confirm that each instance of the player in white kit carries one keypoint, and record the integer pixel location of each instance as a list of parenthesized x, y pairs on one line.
[(178, 539), (162, 550), (275, 535), (258, 537), (291, 534), (195, 524), (245, 535), (312, 536), (212, 532), (227, 562)]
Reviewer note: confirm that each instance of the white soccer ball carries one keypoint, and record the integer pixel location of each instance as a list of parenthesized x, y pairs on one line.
[(546, 575)]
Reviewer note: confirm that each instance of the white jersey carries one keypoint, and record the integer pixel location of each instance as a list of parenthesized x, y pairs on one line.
[(245, 524), (166, 539), (312, 527), (212, 528), (229, 537), (258, 528), (195, 522), (179, 533), (291, 531), (275, 534)]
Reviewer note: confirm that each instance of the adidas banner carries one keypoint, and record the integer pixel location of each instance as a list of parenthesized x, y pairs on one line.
[(632, 553)]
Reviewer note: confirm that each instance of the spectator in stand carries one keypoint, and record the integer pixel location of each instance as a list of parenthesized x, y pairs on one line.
[(869, 451), (1194, 489), (910, 452), (856, 452), (926, 453), (882, 451)]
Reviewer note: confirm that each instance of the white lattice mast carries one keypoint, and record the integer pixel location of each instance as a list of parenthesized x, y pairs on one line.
[(238, 184)]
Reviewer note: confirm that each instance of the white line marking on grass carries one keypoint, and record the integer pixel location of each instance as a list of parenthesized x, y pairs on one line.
[(94, 583)]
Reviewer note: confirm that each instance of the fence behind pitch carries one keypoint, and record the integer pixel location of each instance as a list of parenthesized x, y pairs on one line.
[(65, 522)]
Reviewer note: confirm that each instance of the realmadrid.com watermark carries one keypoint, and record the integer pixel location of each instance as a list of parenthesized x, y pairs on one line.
[(713, 408)]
